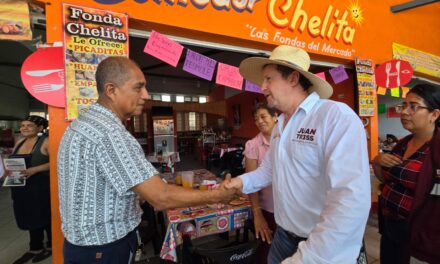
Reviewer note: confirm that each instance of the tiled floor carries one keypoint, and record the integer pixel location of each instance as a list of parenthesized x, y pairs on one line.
[(14, 242), (372, 239)]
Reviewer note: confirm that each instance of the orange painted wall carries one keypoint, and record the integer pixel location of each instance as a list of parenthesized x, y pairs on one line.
[(57, 125)]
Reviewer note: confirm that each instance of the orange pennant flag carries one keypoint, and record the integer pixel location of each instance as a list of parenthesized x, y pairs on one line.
[(381, 90), (405, 90)]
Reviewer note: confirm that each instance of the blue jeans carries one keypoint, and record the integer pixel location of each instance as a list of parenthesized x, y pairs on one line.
[(284, 245), (118, 252)]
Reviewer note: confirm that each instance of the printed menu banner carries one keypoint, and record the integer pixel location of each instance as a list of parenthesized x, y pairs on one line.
[(366, 86), (90, 36), (14, 20), (420, 61)]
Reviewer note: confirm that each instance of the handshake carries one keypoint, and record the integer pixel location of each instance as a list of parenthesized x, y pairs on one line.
[(229, 189)]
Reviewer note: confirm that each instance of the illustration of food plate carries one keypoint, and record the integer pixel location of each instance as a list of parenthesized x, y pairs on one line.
[(213, 225)]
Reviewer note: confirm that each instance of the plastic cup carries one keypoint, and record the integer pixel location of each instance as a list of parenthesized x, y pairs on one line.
[(187, 179), (178, 179)]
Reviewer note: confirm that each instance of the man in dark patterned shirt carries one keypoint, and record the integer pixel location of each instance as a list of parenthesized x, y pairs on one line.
[(102, 172)]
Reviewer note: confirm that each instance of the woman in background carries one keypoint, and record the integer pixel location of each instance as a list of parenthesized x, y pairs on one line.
[(389, 143), (31, 202), (409, 203), (262, 201)]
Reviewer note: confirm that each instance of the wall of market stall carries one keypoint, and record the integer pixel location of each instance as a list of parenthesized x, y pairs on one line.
[(332, 31)]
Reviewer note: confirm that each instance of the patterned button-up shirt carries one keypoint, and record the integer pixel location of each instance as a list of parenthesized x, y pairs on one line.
[(99, 162)]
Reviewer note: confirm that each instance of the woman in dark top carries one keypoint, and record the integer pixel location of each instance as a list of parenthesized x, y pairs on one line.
[(31, 202), (389, 143), (409, 204)]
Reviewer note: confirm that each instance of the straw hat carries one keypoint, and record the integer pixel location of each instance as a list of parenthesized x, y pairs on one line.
[(292, 57)]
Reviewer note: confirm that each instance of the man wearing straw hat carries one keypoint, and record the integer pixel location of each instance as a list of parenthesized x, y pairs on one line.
[(317, 164)]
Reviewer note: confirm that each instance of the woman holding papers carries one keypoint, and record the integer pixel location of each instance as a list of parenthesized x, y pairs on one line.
[(31, 202)]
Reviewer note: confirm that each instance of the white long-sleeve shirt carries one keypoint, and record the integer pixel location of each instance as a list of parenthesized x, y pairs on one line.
[(321, 181)]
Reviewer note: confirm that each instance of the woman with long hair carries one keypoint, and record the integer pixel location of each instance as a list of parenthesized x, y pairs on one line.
[(409, 203)]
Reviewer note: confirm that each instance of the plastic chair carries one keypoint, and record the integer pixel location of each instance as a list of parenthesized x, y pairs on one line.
[(239, 254), (241, 251), (233, 162), (234, 253), (148, 228)]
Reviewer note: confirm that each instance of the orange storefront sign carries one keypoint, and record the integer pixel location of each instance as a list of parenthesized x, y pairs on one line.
[(338, 28), (328, 29)]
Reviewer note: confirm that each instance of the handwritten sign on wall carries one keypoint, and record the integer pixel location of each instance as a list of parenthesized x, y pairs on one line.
[(163, 48), (338, 74), (229, 76), (199, 65), (252, 87)]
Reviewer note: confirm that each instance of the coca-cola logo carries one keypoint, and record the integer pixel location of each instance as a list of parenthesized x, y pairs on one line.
[(241, 256)]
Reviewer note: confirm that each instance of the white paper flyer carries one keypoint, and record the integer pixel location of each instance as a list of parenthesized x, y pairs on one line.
[(15, 166)]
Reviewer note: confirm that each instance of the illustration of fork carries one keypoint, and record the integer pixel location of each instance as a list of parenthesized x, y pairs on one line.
[(46, 87), (387, 70), (398, 73)]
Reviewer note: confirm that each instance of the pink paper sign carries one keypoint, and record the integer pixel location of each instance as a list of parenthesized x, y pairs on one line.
[(252, 87), (229, 75), (321, 75), (199, 65), (163, 48), (338, 74)]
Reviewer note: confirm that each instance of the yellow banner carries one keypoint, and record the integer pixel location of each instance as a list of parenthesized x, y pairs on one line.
[(366, 86), (90, 36), (420, 61), (14, 20)]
